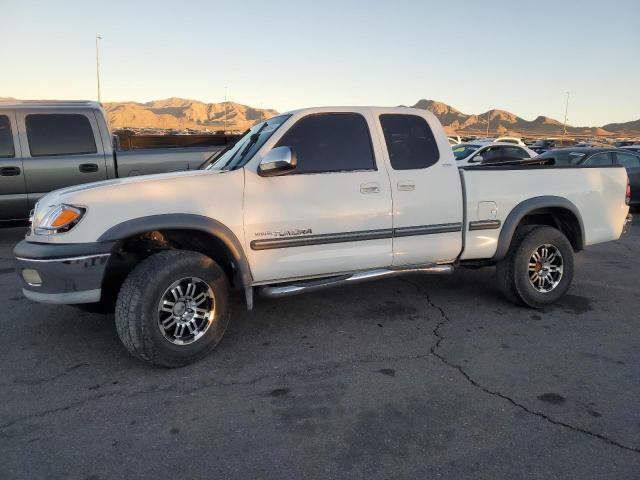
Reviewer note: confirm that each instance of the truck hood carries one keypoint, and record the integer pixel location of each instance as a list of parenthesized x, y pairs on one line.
[(198, 192), (122, 181)]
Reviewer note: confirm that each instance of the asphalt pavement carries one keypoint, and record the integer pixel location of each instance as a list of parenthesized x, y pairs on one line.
[(414, 377)]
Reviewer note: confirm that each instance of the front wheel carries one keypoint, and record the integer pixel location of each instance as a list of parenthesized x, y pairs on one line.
[(173, 308), (538, 268)]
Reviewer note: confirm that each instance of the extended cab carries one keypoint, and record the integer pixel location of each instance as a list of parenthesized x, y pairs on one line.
[(47, 145), (307, 200)]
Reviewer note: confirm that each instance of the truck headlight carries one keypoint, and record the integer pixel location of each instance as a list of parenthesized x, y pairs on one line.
[(59, 219)]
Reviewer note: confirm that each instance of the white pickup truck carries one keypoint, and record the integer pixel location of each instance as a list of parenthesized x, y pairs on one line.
[(307, 200)]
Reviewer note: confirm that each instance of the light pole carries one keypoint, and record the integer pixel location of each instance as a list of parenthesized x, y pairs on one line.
[(225, 109), (488, 122), (566, 111), (98, 37)]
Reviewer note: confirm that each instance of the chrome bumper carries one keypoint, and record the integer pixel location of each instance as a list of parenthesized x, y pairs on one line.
[(49, 277)]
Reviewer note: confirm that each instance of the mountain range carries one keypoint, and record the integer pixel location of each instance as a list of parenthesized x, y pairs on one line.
[(180, 113), (502, 122)]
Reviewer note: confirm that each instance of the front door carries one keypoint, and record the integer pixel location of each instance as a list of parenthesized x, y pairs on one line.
[(13, 190), (426, 190), (60, 150), (331, 214)]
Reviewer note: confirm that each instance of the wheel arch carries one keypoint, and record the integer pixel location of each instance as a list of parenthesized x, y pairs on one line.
[(221, 235), (550, 210)]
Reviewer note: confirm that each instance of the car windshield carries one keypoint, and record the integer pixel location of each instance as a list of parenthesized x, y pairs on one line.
[(242, 151), (463, 150), (563, 157)]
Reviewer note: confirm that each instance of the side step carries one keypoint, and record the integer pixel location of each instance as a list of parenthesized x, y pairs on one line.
[(304, 286)]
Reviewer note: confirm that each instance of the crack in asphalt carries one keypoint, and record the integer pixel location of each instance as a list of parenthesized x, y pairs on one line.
[(313, 369), (434, 351)]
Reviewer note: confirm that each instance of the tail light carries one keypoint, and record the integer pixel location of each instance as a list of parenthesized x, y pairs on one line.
[(627, 196)]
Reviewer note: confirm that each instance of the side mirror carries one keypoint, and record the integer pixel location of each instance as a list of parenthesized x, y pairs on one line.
[(477, 159), (278, 161)]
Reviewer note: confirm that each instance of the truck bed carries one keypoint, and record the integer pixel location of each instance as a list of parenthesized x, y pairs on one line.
[(492, 193)]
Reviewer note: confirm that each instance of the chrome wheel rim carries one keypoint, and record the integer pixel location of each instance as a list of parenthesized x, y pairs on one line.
[(545, 268), (186, 310)]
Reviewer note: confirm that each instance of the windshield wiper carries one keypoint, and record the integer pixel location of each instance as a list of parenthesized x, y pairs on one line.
[(252, 141)]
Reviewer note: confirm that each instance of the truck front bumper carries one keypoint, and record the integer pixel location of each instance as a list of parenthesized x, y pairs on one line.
[(62, 273)]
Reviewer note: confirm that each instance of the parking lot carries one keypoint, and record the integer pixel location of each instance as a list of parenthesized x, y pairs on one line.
[(415, 377)]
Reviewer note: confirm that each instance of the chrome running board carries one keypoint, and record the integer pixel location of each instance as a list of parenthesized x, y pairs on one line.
[(304, 286)]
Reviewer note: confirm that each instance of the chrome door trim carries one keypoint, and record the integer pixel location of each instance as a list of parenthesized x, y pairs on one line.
[(484, 225), (322, 239)]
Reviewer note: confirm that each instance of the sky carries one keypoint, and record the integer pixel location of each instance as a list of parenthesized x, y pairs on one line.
[(520, 56)]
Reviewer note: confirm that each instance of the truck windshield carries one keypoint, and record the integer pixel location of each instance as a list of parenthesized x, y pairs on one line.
[(242, 151)]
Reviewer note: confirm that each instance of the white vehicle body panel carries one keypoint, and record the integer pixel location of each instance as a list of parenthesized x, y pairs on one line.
[(425, 197), (598, 194), (115, 201)]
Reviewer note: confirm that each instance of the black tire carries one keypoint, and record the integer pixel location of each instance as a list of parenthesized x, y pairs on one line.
[(137, 314), (513, 271)]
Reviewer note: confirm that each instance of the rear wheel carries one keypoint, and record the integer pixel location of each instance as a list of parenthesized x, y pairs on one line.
[(538, 268), (173, 308)]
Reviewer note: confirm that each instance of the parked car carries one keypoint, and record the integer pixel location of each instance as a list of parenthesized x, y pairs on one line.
[(623, 143), (307, 200), (544, 145), (514, 140), (477, 153), (46, 145), (601, 157), (633, 148)]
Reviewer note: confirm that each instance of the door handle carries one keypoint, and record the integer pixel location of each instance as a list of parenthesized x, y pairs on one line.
[(372, 187), (9, 171), (88, 168), (406, 186)]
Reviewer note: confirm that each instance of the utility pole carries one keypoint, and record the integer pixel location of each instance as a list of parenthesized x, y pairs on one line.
[(98, 37), (225, 109), (488, 121), (566, 111)]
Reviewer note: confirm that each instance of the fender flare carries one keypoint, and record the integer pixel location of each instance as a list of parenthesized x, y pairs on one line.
[(184, 221), (524, 208)]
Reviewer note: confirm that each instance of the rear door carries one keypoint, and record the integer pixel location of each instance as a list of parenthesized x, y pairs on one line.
[(60, 149), (631, 162), (13, 193), (331, 214), (425, 188)]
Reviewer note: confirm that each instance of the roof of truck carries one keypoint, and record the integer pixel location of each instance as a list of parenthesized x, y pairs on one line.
[(48, 103)]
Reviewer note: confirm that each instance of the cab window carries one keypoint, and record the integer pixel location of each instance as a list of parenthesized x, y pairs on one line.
[(7, 149), (59, 134), (330, 142), (410, 141)]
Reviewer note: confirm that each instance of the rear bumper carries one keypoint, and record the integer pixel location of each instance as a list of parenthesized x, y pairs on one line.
[(63, 273)]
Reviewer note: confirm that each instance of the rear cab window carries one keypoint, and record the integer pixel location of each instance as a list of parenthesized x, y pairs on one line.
[(59, 134), (7, 149), (410, 141), (330, 142)]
